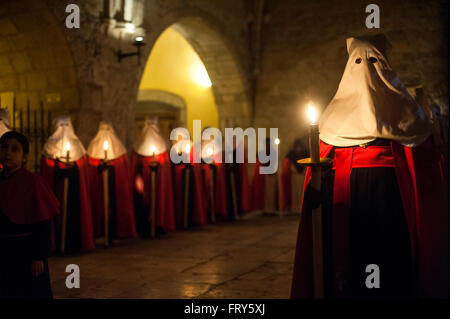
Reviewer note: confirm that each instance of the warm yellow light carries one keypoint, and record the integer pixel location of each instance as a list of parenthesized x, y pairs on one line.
[(187, 148), (152, 149), (210, 151), (67, 146), (201, 76), (277, 141), (312, 114), (105, 145)]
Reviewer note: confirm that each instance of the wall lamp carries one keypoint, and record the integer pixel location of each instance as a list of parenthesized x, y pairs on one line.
[(138, 43)]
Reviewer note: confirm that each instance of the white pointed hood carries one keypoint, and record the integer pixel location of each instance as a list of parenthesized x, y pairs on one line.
[(371, 103), (55, 147), (150, 141), (106, 137), (5, 124)]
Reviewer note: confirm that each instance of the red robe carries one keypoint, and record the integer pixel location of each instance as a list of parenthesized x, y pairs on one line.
[(419, 180), (27, 205), (123, 197), (47, 171), (140, 173)]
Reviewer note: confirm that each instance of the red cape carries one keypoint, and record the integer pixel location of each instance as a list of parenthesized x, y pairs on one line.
[(26, 198), (47, 172), (165, 217), (420, 182), (123, 200)]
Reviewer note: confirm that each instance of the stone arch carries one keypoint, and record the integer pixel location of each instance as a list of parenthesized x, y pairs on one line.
[(230, 84)]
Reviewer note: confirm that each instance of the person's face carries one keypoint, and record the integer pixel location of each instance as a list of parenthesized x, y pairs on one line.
[(11, 154), (298, 148)]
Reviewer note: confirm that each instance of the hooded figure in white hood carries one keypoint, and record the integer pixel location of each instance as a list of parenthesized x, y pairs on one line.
[(378, 204), (64, 144), (106, 152), (5, 124), (151, 147)]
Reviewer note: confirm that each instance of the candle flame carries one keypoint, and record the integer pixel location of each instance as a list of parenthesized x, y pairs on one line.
[(188, 148), (105, 145), (67, 146), (312, 114), (210, 151), (277, 141), (152, 149)]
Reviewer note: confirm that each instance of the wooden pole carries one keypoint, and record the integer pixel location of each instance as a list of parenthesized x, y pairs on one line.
[(316, 173), (211, 194), (106, 205), (233, 194), (186, 197), (64, 215)]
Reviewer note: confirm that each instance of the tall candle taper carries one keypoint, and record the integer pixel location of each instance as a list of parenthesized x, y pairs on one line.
[(67, 152), (65, 203), (313, 135), (106, 194), (105, 148)]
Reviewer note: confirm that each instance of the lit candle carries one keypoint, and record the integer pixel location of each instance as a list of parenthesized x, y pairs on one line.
[(188, 148), (210, 153), (67, 152), (277, 141), (153, 150), (105, 148), (313, 135)]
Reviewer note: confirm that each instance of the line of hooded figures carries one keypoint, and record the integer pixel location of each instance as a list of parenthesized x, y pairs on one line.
[(105, 195)]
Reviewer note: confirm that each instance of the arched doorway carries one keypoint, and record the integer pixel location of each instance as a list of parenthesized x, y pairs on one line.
[(229, 86)]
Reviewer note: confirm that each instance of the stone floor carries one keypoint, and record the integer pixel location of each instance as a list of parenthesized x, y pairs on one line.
[(250, 258)]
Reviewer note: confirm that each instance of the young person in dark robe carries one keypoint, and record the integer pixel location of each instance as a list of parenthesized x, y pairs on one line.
[(107, 154), (55, 168), (382, 197), (27, 206), (265, 186), (292, 176), (149, 147)]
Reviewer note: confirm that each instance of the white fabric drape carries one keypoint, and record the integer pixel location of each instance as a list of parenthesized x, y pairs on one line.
[(371, 103), (114, 146), (56, 145), (150, 141)]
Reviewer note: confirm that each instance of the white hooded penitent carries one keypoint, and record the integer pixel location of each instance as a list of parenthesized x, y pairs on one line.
[(63, 140), (371, 103), (150, 142), (5, 124), (106, 140)]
